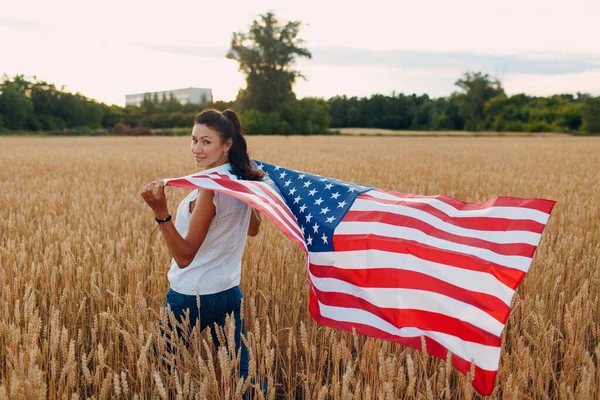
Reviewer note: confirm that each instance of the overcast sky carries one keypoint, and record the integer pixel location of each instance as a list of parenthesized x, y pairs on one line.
[(109, 48)]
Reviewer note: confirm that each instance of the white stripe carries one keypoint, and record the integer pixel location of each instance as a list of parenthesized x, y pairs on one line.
[(491, 212), (485, 357), (476, 281), (261, 189), (270, 205), (400, 232), (413, 299), (500, 237)]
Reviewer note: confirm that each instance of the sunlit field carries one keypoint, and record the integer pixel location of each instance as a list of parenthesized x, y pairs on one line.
[(82, 282), (391, 132)]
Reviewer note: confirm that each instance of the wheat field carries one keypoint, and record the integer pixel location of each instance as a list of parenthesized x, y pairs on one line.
[(82, 282)]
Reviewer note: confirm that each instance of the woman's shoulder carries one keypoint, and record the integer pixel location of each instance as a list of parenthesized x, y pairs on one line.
[(227, 203)]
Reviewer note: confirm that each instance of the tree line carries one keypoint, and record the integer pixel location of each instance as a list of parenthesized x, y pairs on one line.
[(266, 54), (33, 105), (481, 104)]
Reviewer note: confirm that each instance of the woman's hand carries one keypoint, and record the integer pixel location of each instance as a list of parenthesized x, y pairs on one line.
[(154, 195)]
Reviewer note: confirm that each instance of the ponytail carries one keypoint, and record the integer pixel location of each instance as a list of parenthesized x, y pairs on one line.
[(228, 125)]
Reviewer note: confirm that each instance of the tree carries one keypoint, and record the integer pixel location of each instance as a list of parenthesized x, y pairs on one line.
[(478, 88), (266, 55), (16, 108), (591, 115)]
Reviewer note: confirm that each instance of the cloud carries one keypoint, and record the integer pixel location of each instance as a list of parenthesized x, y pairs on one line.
[(539, 64), (535, 64), (194, 51), (21, 24)]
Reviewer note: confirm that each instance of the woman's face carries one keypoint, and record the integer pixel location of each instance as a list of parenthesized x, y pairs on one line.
[(207, 148)]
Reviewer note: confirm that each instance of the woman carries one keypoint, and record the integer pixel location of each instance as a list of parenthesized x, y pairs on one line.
[(209, 234)]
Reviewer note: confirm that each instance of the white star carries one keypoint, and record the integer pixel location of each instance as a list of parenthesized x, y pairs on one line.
[(318, 201), (277, 168), (297, 199), (292, 191), (328, 186), (312, 192), (324, 238), (302, 230), (282, 175), (335, 195), (287, 183), (324, 210), (301, 176), (323, 179), (342, 204), (302, 208), (267, 173), (330, 219), (307, 183), (316, 227), (260, 166), (308, 217), (309, 241), (351, 189)]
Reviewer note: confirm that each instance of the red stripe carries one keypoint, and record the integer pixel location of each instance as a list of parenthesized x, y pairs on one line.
[(483, 380), (284, 226), (406, 318), (542, 205), (181, 183), (211, 175), (222, 176), (481, 223), (507, 249), (403, 279), (509, 276), (244, 187), (237, 186)]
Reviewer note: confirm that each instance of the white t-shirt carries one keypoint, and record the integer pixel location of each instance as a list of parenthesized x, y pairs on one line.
[(217, 265)]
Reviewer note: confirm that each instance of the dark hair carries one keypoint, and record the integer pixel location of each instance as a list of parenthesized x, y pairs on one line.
[(228, 126)]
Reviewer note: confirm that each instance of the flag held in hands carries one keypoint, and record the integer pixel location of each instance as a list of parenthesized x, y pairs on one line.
[(401, 266)]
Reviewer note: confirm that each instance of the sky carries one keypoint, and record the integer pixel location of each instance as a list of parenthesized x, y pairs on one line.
[(107, 49)]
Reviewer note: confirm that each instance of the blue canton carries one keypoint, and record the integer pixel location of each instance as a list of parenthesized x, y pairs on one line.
[(318, 203)]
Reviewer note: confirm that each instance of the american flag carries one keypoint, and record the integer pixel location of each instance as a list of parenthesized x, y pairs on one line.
[(401, 267)]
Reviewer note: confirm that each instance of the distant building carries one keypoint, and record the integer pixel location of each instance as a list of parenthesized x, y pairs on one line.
[(184, 96)]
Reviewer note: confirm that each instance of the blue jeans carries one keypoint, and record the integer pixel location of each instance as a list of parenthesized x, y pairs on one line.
[(214, 308)]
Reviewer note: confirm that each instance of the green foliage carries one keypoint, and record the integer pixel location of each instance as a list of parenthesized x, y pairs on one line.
[(171, 132), (398, 112), (521, 113), (15, 108), (37, 105), (478, 89), (264, 123), (591, 116), (28, 105), (306, 116), (482, 105), (266, 54)]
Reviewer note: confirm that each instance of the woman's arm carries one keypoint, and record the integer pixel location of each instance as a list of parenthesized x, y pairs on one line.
[(255, 220), (183, 250)]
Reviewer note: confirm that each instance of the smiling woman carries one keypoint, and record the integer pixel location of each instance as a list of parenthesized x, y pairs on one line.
[(208, 237), (207, 148)]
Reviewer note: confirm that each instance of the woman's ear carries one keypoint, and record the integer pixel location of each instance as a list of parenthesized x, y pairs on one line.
[(228, 144)]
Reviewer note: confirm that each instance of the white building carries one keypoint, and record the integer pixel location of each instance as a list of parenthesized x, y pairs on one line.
[(184, 96)]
